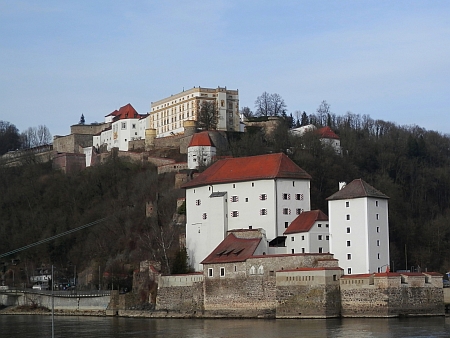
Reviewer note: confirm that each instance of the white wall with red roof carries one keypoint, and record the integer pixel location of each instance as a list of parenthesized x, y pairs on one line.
[(268, 204)]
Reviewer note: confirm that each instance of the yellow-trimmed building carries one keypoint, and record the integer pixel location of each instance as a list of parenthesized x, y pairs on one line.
[(167, 116)]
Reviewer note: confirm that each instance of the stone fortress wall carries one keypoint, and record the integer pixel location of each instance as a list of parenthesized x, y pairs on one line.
[(298, 286)]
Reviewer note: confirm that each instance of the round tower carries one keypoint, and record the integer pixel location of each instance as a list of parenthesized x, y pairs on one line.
[(150, 135), (189, 127)]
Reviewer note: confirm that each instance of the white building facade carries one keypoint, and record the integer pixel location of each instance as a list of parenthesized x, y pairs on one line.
[(359, 228), (126, 125), (167, 116), (266, 191), (308, 233)]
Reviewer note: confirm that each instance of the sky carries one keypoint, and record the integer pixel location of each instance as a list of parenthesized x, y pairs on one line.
[(387, 59)]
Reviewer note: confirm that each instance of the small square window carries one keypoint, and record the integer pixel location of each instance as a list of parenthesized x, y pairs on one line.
[(326, 225), (376, 203), (286, 211), (348, 230), (349, 256), (303, 250), (348, 217), (263, 212), (347, 204), (319, 225), (286, 196), (327, 237), (292, 239), (378, 216), (292, 250), (246, 199), (210, 272), (319, 237), (286, 224), (320, 250), (349, 271), (198, 202), (298, 211), (234, 199), (348, 243), (253, 184), (263, 197), (235, 213), (204, 216), (299, 197), (378, 242), (303, 238)]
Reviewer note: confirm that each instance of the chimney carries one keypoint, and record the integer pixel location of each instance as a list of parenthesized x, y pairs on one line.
[(342, 185)]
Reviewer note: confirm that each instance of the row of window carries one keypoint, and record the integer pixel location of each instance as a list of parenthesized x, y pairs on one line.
[(349, 256), (252, 271), (378, 243), (377, 216), (303, 250), (349, 230), (319, 237), (347, 204)]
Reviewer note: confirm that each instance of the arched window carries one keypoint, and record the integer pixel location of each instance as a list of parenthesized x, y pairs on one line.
[(252, 270), (260, 270)]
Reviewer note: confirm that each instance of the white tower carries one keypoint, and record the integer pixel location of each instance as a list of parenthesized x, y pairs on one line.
[(201, 151), (359, 228)]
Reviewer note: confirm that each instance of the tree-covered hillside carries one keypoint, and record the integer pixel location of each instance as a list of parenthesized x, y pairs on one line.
[(37, 202), (407, 163)]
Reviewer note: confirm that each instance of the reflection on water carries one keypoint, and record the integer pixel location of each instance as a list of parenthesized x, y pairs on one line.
[(22, 326)]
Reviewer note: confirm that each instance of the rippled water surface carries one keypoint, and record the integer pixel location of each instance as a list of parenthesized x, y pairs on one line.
[(22, 326)]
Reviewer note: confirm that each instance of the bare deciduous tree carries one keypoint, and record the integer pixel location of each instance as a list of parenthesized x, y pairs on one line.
[(36, 136), (207, 115), (270, 105)]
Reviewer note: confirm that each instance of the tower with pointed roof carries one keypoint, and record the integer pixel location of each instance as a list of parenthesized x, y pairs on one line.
[(201, 150), (359, 228)]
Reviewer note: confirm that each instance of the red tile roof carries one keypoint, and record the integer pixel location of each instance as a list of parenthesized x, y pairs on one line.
[(201, 139), (233, 249), (326, 132), (356, 189), (125, 112), (305, 221), (241, 169)]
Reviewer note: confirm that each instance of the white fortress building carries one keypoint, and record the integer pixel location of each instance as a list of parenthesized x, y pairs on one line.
[(259, 192), (272, 194), (125, 125), (167, 116), (359, 228)]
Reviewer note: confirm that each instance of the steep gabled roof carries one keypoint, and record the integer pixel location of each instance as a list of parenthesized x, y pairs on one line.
[(125, 112), (233, 249), (201, 140), (241, 169), (326, 132), (305, 221), (356, 189)]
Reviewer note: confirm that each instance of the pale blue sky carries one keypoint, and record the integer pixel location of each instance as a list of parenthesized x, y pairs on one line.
[(60, 59)]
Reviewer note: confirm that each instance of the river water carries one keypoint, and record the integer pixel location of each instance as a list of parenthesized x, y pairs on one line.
[(35, 326)]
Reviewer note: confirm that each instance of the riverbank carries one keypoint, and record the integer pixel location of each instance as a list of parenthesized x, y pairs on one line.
[(43, 311)]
